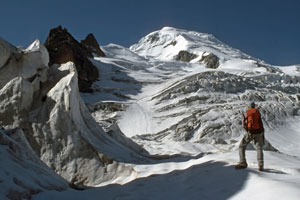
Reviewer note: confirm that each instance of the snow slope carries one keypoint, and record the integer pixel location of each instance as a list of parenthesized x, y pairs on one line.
[(208, 177)]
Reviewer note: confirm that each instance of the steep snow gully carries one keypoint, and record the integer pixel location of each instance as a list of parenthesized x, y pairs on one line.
[(163, 122)]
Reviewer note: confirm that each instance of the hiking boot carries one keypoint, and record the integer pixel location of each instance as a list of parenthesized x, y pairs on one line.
[(241, 165), (261, 168)]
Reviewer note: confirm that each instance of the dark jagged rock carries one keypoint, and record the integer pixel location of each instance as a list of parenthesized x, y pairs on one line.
[(210, 60), (62, 48), (91, 43), (185, 56)]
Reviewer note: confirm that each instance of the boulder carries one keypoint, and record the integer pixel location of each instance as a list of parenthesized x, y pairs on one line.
[(91, 43), (62, 48), (185, 56), (210, 60)]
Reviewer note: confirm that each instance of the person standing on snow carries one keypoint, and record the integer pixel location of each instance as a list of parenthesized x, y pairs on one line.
[(255, 133)]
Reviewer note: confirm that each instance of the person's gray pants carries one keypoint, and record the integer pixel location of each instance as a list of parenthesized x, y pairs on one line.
[(258, 142)]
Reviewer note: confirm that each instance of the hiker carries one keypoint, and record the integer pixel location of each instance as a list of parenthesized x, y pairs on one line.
[(255, 133)]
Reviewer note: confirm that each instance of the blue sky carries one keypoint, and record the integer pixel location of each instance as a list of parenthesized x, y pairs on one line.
[(265, 29)]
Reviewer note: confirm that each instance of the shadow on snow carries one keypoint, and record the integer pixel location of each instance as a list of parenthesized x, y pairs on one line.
[(210, 180)]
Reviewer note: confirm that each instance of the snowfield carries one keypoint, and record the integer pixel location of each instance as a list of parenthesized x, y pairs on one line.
[(207, 177), (167, 123)]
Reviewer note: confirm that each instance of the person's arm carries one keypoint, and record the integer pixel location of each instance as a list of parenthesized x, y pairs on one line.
[(260, 123), (262, 128)]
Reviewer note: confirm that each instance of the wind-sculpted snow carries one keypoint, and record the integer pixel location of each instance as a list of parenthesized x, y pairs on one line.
[(20, 77), (23, 174), (30, 64), (68, 139)]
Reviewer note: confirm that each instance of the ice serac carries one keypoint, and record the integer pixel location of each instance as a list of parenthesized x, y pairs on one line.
[(69, 140), (20, 78), (30, 64), (16, 99), (45, 103), (7, 50), (23, 174)]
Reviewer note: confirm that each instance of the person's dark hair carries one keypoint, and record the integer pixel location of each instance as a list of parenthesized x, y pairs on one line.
[(252, 104)]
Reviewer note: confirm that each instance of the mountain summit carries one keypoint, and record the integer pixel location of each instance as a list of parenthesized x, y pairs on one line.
[(165, 44)]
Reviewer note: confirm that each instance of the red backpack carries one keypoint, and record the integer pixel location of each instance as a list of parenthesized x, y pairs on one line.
[(254, 123)]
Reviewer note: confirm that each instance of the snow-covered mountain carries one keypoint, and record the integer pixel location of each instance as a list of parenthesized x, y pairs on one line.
[(163, 121), (181, 92), (166, 43), (187, 100)]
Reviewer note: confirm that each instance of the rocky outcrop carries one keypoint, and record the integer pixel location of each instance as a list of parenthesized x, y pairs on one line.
[(210, 60), (185, 56), (91, 43), (62, 48)]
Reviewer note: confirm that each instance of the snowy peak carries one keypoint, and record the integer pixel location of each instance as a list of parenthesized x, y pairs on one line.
[(168, 42), (120, 52), (162, 44)]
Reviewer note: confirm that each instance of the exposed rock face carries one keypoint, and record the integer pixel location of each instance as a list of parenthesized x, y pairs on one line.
[(185, 56), (210, 60), (62, 47), (91, 43)]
